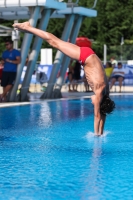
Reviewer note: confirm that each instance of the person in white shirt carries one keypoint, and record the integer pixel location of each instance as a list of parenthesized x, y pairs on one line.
[(118, 74)]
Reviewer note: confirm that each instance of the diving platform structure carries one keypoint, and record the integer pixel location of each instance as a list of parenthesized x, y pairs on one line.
[(21, 9), (41, 11)]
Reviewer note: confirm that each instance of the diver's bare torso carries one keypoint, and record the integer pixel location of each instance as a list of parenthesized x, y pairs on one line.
[(95, 74)]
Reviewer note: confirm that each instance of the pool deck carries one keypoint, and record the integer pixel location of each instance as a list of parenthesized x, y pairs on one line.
[(35, 94), (34, 97)]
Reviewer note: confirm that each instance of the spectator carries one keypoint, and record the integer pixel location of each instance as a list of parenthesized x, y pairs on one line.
[(86, 84), (118, 75), (76, 75), (1, 68), (11, 58), (41, 77), (113, 62), (70, 76), (108, 70)]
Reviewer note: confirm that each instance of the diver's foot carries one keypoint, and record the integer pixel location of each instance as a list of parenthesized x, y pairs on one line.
[(22, 26)]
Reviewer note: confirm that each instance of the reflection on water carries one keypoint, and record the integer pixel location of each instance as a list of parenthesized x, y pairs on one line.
[(45, 117), (67, 110), (95, 173), (94, 176)]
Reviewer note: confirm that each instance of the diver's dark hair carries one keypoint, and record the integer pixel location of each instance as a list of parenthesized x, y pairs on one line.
[(107, 105)]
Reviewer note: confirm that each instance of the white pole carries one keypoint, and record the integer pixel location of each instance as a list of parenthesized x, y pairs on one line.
[(15, 41), (105, 54), (122, 42)]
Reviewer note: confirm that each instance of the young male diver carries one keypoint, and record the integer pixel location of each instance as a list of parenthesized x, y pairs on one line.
[(93, 68)]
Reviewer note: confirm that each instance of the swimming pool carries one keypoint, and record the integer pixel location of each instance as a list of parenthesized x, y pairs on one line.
[(48, 151)]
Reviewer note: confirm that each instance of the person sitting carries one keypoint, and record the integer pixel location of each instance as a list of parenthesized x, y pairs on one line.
[(118, 74), (108, 70), (87, 87)]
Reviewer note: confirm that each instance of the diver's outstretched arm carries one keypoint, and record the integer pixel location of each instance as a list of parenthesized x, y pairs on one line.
[(97, 117), (101, 125), (71, 50)]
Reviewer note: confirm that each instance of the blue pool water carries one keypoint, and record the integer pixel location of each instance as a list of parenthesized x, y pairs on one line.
[(48, 152)]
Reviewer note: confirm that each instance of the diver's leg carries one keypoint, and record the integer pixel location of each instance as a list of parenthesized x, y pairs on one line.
[(71, 50)]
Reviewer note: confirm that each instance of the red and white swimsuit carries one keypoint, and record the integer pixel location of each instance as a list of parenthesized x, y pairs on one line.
[(85, 52)]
